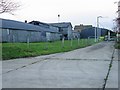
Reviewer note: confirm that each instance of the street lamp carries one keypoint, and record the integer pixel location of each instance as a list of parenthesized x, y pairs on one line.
[(98, 26), (58, 18), (96, 29)]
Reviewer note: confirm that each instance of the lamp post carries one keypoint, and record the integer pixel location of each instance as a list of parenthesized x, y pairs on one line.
[(95, 34), (98, 26), (96, 29), (58, 18)]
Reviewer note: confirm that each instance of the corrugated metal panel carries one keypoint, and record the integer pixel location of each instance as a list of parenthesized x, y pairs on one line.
[(87, 33), (16, 25), (90, 32), (62, 24)]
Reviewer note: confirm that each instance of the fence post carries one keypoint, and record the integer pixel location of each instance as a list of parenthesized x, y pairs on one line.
[(88, 41), (28, 39), (71, 42), (63, 42), (78, 41), (46, 45), (28, 42)]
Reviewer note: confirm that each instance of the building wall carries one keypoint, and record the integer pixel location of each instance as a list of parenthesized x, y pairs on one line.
[(54, 36), (87, 33), (90, 32), (79, 28), (65, 28), (76, 35), (9, 35), (54, 28), (69, 32)]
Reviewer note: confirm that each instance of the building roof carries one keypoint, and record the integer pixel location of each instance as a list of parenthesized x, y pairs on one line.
[(39, 23), (17, 25), (81, 26), (62, 24)]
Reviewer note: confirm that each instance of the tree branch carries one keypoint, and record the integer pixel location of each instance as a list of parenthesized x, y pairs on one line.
[(7, 6)]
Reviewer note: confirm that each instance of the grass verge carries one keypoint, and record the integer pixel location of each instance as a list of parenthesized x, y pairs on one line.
[(117, 45), (19, 50)]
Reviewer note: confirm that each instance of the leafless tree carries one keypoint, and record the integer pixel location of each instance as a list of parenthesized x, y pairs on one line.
[(8, 6)]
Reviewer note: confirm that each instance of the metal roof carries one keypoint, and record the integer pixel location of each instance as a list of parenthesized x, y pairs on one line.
[(38, 22), (62, 24), (17, 25)]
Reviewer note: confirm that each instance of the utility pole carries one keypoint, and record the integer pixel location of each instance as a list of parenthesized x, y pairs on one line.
[(95, 34), (98, 27)]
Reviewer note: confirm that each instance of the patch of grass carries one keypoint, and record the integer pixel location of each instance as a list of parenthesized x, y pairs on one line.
[(117, 45), (0, 51), (18, 50)]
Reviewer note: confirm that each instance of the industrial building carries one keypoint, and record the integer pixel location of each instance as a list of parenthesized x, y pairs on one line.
[(15, 31), (65, 28)]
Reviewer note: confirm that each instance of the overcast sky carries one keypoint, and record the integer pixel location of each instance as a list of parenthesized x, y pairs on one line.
[(74, 11)]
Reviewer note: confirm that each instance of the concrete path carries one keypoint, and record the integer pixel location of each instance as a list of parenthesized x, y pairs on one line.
[(81, 68)]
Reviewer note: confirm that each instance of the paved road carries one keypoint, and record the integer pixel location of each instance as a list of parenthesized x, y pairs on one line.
[(81, 68)]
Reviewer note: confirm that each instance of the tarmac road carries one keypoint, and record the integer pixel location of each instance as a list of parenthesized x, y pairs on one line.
[(81, 68)]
